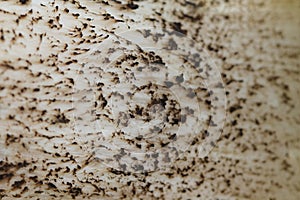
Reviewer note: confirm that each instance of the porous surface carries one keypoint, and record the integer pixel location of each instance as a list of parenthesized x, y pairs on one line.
[(79, 79)]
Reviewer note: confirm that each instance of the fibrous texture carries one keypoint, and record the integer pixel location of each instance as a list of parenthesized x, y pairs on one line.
[(149, 99)]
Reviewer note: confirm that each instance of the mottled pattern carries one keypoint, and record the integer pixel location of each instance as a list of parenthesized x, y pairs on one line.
[(61, 64)]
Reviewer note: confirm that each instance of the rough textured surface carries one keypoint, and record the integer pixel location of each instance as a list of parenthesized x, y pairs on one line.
[(47, 53)]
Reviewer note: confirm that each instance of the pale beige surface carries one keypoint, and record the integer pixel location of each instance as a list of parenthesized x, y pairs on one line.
[(256, 46)]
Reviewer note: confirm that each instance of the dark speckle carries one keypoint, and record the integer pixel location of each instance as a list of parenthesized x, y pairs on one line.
[(169, 84), (61, 118), (51, 185), (132, 6), (179, 79), (172, 45), (23, 1), (177, 27), (18, 184)]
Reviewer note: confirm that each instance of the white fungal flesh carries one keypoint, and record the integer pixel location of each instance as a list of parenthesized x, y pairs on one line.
[(149, 99)]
